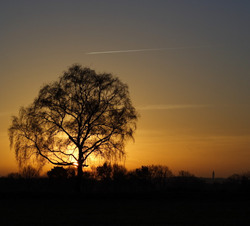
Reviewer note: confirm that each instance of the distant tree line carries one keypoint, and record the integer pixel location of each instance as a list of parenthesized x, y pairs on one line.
[(107, 171), (116, 178)]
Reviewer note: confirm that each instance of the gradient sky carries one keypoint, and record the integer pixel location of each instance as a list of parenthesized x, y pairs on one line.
[(187, 64)]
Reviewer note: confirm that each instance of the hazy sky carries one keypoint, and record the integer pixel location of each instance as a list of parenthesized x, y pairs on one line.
[(187, 64)]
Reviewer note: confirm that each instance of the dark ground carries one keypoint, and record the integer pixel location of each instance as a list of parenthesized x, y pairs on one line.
[(167, 208), (132, 202)]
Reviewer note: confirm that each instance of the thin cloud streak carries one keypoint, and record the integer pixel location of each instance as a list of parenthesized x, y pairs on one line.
[(171, 107), (144, 50)]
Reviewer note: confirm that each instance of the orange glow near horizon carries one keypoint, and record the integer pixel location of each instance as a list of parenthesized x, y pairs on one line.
[(201, 154)]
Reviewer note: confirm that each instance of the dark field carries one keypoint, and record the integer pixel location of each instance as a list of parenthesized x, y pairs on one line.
[(169, 208), (177, 201)]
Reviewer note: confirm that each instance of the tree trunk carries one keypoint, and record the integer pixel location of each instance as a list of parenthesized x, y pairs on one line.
[(79, 177), (79, 172)]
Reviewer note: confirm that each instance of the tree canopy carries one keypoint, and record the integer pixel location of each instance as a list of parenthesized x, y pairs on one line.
[(82, 114)]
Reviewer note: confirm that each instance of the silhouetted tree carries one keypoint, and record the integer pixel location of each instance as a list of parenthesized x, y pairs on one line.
[(184, 173), (104, 172), (159, 171), (29, 172), (153, 172), (81, 114), (118, 172), (107, 172), (142, 173)]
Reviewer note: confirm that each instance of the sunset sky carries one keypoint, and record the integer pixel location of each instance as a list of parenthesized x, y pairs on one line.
[(187, 65)]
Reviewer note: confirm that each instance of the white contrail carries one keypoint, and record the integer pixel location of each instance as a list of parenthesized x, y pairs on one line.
[(171, 107), (144, 50)]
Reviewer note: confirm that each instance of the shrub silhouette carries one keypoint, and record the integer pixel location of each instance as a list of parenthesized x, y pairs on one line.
[(58, 173)]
